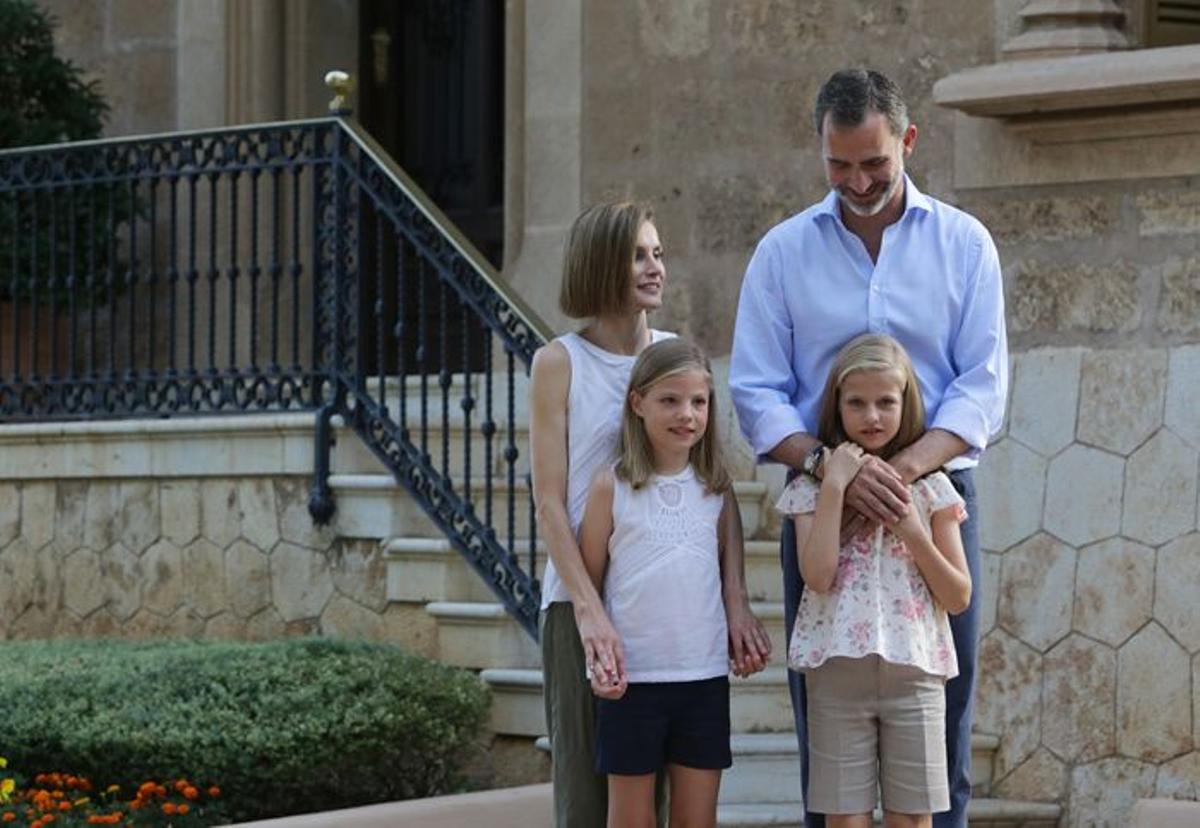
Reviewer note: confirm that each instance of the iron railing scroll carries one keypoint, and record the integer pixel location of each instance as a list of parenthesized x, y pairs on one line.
[(279, 267)]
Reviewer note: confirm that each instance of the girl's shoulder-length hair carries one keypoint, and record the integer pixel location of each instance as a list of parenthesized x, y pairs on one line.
[(872, 352), (635, 463)]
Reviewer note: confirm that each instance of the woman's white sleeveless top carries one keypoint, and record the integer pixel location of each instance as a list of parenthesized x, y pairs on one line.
[(662, 588), (596, 396)]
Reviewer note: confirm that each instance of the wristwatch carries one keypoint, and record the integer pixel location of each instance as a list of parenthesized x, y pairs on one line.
[(812, 461)]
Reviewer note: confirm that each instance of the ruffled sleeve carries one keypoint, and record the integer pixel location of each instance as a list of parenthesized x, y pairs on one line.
[(799, 498), (940, 494)]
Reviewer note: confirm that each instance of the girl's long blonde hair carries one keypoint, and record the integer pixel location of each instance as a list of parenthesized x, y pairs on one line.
[(872, 352), (636, 462)]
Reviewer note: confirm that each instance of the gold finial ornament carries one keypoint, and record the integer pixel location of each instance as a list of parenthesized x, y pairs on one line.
[(342, 85)]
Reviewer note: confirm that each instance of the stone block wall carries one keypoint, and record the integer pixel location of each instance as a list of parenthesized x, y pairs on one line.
[(214, 557), (1090, 658)]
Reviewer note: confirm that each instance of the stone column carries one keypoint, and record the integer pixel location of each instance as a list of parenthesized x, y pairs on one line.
[(1056, 28)]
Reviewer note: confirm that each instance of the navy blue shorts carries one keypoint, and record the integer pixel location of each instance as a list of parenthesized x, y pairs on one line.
[(652, 725)]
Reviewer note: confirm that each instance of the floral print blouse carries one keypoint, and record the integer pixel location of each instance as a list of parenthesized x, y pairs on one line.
[(879, 602)]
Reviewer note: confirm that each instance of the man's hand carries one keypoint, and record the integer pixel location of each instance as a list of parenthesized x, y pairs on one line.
[(749, 644), (603, 654), (878, 493)]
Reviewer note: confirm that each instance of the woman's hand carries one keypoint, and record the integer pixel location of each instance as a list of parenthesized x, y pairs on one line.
[(842, 464), (603, 654), (611, 691)]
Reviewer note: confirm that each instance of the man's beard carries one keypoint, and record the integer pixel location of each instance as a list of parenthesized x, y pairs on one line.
[(872, 209)]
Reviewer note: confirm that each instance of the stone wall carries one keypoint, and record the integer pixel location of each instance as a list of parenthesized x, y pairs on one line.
[(130, 47), (219, 558), (704, 108), (1090, 659), (1110, 265)]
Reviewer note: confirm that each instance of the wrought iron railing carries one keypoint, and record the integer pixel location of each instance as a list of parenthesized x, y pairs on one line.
[(268, 268)]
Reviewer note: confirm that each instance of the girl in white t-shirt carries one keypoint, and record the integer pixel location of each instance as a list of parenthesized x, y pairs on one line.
[(652, 538), (872, 634)]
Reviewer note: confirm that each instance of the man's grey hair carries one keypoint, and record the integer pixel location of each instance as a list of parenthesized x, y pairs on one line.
[(849, 95)]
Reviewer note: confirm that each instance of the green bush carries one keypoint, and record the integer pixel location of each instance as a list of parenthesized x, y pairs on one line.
[(284, 727)]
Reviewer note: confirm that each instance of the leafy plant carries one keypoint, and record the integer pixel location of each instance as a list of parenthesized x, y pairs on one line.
[(286, 727)]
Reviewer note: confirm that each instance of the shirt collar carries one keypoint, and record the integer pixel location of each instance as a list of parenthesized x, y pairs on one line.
[(914, 199)]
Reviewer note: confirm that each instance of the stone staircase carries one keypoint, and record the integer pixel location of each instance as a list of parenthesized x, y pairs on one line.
[(454, 617)]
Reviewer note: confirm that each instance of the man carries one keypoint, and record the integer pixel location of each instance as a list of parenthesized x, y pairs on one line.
[(876, 255)]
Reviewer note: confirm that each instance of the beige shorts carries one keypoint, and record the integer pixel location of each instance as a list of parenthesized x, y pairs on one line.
[(874, 725)]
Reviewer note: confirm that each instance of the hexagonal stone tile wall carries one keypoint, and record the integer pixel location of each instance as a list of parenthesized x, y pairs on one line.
[(1083, 495), (1012, 510), (1036, 585), (1177, 584), (10, 512), (1182, 413), (1040, 778), (1103, 792), (1009, 697), (1079, 699), (1160, 489), (1046, 380), (300, 581), (1114, 590), (1153, 690), (1121, 398)]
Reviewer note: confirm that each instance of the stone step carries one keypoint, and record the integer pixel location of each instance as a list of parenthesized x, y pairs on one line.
[(424, 569), (480, 635), (350, 455), (764, 577), (766, 770), (981, 813), (764, 764), (376, 506), (430, 569), (778, 754), (757, 704)]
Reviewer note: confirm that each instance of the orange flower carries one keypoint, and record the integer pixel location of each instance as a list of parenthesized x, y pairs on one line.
[(8, 816), (183, 809), (64, 806), (180, 784), (168, 808), (214, 791), (159, 790), (191, 793)]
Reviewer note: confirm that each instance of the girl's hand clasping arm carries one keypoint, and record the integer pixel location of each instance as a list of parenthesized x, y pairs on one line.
[(818, 536)]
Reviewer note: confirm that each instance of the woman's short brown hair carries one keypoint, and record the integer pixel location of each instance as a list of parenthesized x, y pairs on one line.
[(872, 352), (598, 259)]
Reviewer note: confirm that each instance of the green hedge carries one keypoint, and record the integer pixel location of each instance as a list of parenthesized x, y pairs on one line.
[(283, 727)]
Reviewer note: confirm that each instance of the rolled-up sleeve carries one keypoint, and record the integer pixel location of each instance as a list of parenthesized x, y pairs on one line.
[(973, 404), (762, 379)]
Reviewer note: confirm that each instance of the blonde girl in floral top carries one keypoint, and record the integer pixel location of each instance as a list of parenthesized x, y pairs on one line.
[(872, 633)]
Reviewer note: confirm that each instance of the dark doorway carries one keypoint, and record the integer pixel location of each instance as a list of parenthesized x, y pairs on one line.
[(431, 92)]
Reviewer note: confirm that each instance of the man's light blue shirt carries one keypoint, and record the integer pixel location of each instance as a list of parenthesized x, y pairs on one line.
[(811, 287)]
